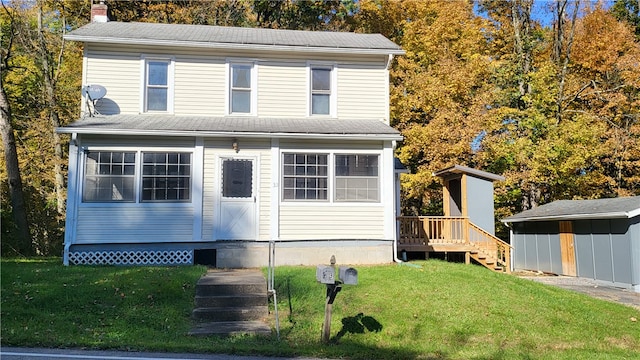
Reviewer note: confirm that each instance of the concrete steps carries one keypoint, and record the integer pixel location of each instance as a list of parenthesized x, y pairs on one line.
[(229, 302)]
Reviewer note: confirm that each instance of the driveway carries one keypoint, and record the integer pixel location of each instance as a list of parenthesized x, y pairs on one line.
[(589, 287)]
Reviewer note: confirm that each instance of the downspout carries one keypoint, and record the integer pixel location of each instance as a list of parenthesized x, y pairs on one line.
[(396, 182), (511, 265), (396, 190), (389, 61), (396, 204)]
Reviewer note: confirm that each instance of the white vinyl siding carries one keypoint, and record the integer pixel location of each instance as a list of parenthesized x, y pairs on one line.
[(331, 222), (155, 223), (119, 73), (199, 86), (282, 90), (362, 93)]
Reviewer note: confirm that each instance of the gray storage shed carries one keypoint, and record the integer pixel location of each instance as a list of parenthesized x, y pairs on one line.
[(595, 239)]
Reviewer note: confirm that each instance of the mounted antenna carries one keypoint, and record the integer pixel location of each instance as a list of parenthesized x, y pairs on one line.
[(93, 93)]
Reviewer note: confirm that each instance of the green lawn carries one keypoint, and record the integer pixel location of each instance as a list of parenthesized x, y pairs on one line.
[(437, 311)]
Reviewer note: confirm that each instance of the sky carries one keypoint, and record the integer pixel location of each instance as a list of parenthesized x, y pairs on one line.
[(542, 11)]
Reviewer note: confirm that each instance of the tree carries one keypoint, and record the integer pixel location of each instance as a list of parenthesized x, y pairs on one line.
[(14, 178), (629, 11), (438, 89), (42, 91)]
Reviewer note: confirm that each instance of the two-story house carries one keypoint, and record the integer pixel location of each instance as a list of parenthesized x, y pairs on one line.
[(212, 142)]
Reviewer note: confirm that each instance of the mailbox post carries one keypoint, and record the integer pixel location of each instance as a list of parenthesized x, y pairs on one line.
[(326, 274)]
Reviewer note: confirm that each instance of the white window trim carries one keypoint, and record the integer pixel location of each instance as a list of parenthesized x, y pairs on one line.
[(144, 59), (254, 86), (333, 100), (331, 175), (138, 177)]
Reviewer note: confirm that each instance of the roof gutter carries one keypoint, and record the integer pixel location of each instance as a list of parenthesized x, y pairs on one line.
[(280, 135), (233, 46)]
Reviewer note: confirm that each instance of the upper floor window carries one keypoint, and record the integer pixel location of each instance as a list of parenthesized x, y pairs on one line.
[(242, 89), (157, 85), (322, 90)]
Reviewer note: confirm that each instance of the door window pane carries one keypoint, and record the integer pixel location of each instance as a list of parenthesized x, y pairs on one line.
[(237, 178)]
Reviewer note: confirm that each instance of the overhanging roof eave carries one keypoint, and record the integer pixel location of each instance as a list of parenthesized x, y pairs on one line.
[(235, 46), (201, 133)]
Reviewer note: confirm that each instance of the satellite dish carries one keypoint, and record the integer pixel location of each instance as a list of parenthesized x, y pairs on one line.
[(94, 92)]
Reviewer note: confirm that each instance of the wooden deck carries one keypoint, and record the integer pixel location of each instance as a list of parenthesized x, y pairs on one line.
[(453, 234)]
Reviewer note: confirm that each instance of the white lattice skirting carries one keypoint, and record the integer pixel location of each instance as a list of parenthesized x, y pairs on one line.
[(145, 257)]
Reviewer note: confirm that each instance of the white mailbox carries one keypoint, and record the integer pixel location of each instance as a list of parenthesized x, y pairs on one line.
[(326, 274), (348, 275)]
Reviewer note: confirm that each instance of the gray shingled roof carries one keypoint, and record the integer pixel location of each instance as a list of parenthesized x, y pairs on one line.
[(232, 37), (240, 126), (624, 207)]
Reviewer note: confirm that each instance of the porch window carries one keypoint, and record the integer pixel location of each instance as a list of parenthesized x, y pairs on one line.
[(109, 176), (136, 176), (157, 85), (305, 176), (356, 178), (166, 176)]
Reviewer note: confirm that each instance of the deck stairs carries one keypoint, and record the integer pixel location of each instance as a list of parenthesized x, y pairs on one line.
[(454, 234), (230, 302)]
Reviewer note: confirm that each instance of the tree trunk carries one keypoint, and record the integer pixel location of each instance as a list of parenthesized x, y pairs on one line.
[(521, 18), (49, 83), (13, 175), (562, 61)]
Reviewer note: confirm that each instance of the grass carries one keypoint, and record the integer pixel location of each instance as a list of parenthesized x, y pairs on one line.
[(437, 311)]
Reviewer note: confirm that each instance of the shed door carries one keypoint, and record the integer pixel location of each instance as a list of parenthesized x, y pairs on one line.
[(237, 216), (567, 250)]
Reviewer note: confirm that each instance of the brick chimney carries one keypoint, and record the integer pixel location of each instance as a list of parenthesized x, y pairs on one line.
[(99, 12)]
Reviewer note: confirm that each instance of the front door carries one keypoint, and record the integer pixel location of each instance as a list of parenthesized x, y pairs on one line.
[(567, 251), (237, 215)]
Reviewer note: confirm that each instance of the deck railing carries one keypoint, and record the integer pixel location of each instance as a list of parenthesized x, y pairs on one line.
[(430, 230), (419, 231)]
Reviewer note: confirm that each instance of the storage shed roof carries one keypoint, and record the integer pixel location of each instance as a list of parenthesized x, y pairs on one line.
[(624, 207)]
